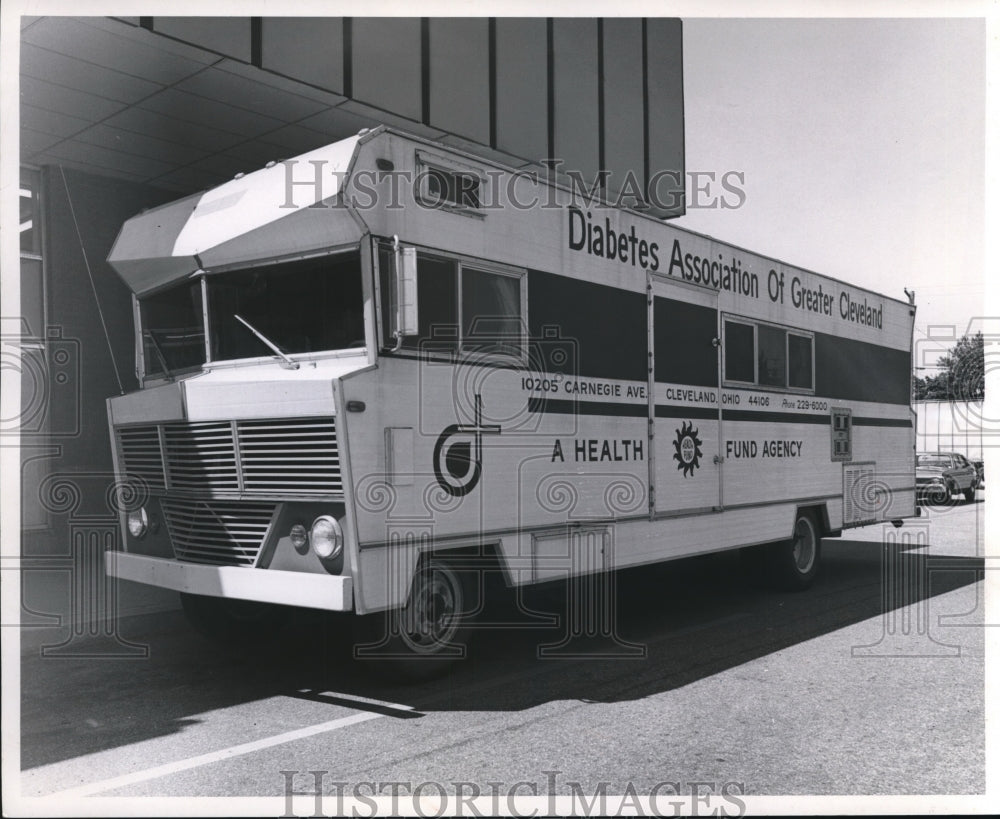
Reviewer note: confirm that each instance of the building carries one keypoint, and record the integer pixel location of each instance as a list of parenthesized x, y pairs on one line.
[(121, 114)]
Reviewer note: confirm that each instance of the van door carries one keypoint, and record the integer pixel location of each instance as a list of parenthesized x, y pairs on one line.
[(685, 472)]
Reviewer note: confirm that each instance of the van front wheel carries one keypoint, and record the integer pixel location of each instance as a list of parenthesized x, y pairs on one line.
[(426, 637), (795, 562)]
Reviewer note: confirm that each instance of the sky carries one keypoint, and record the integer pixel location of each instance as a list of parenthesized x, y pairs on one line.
[(862, 142)]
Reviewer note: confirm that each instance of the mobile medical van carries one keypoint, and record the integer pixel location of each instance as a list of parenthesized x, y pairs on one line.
[(386, 356)]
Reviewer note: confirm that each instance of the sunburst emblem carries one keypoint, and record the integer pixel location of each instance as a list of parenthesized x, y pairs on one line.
[(687, 449)]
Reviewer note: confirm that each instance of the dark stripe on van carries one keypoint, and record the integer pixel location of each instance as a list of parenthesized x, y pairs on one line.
[(603, 328), (881, 422), (807, 418), (775, 417), (849, 370), (709, 413), (557, 406)]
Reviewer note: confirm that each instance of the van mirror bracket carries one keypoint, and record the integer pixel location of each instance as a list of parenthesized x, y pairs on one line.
[(405, 281)]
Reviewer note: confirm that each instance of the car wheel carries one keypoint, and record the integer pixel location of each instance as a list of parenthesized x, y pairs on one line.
[(794, 563), (970, 494), (936, 495), (425, 638)]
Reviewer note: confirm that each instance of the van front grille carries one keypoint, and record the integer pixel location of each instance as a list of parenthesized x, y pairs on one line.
[(217, 532), (141, 455), (201, 456), (289, 456), (273, 457)]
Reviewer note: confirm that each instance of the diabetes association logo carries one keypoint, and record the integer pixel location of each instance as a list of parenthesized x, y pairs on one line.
[(687, 449), (458, 454)]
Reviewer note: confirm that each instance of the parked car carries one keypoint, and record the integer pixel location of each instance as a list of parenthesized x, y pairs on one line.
[(981, 469), (943, 474)]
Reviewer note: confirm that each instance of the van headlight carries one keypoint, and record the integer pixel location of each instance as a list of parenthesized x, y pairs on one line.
[(326, 537), (138, 522)]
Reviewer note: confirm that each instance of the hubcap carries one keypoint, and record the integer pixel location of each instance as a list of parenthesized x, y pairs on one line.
[(431, 619), (804, 549)]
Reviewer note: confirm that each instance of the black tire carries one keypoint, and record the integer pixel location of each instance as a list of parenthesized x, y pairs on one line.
[(970, 494), (794, 563), (234, 624), (425, 638), (936, 496)]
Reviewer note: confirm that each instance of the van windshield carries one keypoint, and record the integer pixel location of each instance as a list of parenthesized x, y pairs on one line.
[(173, 329), (302, 307)]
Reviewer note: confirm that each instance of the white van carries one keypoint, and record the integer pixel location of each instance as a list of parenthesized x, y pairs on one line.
[(386, 356)]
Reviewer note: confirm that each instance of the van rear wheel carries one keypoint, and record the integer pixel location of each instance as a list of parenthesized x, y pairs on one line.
[(794, 563)]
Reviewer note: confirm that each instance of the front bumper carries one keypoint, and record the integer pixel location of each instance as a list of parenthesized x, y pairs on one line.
[(933, 491), (311, 591)]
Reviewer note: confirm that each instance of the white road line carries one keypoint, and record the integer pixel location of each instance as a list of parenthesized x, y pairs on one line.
[(362, 701), (215, 756)]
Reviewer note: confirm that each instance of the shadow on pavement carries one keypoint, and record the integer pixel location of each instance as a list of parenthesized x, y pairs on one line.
[(693, 618)]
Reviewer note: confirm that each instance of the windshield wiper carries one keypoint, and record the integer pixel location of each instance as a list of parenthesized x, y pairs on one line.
[(159, 354), (288, 363)]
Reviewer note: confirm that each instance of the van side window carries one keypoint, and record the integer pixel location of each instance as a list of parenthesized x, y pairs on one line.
[(768, 356), (437, 303), (800, 362), (451, 188), (442, 183), (491, 312), (460, 307), (739, 352)]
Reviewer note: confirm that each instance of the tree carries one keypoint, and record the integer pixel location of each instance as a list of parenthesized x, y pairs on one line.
[(962, 376)]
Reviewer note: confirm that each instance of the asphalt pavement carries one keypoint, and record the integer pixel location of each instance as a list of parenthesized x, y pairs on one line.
[(871, 682)]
